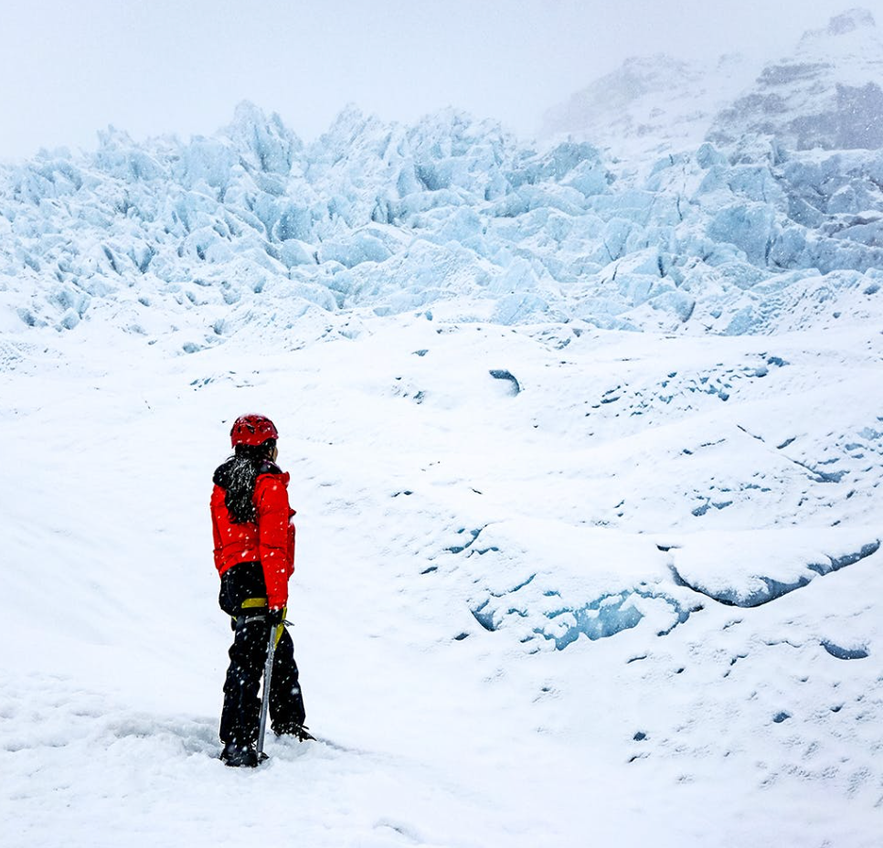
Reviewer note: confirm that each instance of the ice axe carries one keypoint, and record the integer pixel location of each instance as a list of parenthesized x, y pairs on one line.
[(275, 635)]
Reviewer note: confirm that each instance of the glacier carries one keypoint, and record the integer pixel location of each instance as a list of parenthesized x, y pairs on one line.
[(720, 236), (585, 444)]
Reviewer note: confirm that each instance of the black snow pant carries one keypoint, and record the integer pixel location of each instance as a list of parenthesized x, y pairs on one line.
[(242, 587)]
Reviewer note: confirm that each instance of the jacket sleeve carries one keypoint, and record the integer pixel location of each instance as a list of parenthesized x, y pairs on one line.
[(291, 541), (275, 542), (216, 533)]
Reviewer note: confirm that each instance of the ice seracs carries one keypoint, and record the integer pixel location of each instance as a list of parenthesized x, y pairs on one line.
[(393, 219), (722, 235)]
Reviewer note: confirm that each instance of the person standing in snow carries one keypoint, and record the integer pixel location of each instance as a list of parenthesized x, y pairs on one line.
[(254, 556)]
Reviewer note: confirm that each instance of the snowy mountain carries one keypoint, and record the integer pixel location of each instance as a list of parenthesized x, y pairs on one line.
[(650, 105), (827, 94), (587, 454)]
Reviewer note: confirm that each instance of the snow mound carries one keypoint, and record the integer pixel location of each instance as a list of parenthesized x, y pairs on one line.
[(754, 568)]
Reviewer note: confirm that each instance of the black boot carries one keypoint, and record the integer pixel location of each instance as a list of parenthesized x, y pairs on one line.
[(239, 756)]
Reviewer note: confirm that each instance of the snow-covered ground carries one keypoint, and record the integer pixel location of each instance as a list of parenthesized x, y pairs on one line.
[(525, 615)]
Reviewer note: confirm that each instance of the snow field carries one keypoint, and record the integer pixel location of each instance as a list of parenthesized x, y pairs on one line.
[(425, 489)]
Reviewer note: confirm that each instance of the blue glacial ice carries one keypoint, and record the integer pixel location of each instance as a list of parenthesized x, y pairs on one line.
[(561, 622), (394, 217)]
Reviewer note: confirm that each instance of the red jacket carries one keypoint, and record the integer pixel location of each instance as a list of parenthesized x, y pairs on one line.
[(268, 540)]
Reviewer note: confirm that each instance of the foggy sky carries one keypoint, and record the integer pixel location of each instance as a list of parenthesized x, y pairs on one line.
[(71, 67)]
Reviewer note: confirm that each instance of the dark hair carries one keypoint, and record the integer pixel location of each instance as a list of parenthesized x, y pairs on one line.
[(243, 470)]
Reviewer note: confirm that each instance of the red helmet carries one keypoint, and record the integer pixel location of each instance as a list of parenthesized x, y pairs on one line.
[(252, 430)]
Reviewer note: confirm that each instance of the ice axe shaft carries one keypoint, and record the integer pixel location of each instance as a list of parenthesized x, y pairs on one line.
[(265, 697)]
